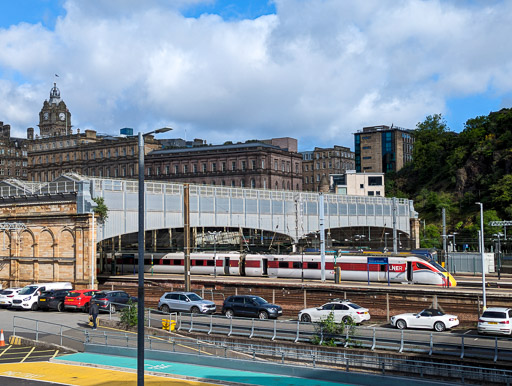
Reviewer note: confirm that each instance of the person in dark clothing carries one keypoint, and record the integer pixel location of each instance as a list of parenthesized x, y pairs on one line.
[(93, 311)]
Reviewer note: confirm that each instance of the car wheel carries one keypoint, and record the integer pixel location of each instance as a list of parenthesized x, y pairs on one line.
[(439, 326), (347, 320), (229, 314), (34, 307), (400, 324), (194, 310), (305, 318), (166, 309), (60, 307), (263, 315)]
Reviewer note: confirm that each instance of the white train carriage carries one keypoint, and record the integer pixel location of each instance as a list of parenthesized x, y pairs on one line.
[(399, 269)]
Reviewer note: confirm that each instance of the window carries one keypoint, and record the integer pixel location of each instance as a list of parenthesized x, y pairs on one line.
[(253, 183), (275, 165), (167, 169), (223, 166), (214, 167), (233, 166), (263, 163), (361, 186), (253, 164), (204, 168), (375, 181), (176, 169), (185, 168), (371, 193), (244, 166)]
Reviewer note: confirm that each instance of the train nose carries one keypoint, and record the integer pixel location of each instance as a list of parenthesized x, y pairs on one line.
[(451, 280)]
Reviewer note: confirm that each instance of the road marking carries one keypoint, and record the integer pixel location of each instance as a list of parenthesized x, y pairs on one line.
[(26, 356), (467, 332), (7, 348), (56, 352)]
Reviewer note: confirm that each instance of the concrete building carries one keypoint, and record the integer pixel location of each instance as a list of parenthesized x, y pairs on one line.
[(322, 162), (381, 149), (358, 184)]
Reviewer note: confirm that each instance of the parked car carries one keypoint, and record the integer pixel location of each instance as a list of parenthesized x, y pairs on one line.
[(52, 300), (185, 302), (111, 301), (429, 318), (6, 296), (343, 310), (250, 306), (28, 296), (495, 320), (79, 299)]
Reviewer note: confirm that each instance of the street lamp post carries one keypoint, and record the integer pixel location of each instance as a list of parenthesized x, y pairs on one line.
[(482, 251), (141, 247)]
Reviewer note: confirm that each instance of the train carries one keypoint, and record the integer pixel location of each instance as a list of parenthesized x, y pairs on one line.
[(402, 268)]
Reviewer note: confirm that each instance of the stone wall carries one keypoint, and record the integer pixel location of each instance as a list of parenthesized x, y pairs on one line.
[(54, 246)]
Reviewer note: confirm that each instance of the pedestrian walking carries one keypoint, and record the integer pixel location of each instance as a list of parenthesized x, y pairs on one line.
[(93, 312)]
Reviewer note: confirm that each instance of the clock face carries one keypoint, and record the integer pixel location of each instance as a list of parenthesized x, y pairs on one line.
[(62, 116), (45, 116)]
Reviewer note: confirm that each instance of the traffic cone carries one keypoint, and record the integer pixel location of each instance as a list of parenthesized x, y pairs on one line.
[(2, 340)]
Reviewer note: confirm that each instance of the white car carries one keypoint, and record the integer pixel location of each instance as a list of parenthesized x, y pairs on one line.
[(429, 318), (496, 320), (343, 311), (6, 296)]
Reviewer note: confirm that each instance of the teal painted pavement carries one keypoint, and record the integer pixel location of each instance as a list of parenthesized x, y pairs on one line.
[(203, 372)]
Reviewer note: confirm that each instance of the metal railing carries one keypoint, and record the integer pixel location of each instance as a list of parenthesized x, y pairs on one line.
[(286, 353), (373, 338)]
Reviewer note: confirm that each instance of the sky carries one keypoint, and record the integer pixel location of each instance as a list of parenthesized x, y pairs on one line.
[(315, 70)]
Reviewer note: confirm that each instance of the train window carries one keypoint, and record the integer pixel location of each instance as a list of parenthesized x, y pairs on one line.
[(297, 264), (210, 263), (313, 265), (198, 262), (176, 262), (421, 266), (147, 261), (283, 264)]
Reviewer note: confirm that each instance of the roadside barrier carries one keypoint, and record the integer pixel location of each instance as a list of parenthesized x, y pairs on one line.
[(2, 340)]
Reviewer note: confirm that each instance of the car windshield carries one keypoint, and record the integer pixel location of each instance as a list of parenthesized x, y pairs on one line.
[(194, 297), (28, 290), (355, 306), (99, 295), (431, 312), (494, 315), (73, 294), (258, 300)]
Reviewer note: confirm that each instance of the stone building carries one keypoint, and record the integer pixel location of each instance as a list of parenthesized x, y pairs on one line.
[(57, 150), (381, 149), (322, 162), (253, 164), (13, 155)]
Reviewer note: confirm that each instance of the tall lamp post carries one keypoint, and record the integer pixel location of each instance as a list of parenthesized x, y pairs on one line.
[(482, 251), (141, 247)]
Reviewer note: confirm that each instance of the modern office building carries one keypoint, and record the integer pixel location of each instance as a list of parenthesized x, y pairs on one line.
[(322, 162), (381, 149), (357, 184)]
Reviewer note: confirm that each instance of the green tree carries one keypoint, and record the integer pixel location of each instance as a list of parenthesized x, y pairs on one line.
[(101, 209)]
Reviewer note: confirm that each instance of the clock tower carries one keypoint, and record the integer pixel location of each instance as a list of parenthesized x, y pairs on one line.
[(54, 118)]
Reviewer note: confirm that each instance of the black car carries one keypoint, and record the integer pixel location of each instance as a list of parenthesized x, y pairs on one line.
[(111, 301), (251, 306), (52, 300)]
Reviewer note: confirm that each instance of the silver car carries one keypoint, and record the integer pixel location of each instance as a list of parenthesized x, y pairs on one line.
[(185, 302)]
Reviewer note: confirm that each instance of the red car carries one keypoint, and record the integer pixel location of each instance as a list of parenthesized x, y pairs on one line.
[(79, 299)]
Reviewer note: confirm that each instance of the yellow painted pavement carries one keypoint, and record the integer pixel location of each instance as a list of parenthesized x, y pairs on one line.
[(84, 375)]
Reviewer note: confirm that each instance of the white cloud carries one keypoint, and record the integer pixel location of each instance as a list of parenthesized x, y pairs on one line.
[(318, 69)]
